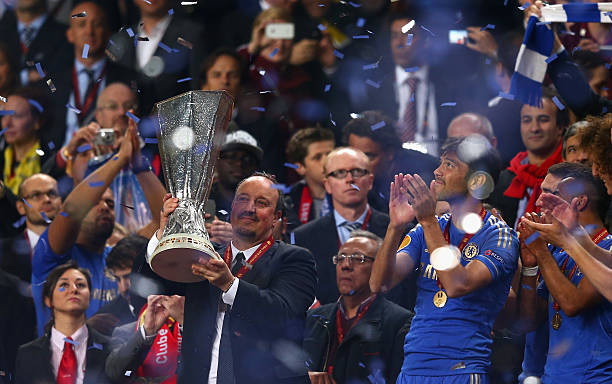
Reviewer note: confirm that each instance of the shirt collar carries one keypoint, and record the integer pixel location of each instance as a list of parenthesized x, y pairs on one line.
[(158, 29), (36, 23), (95, 67), (362, 306), (79, 337), (247, 252), (341, 220), (401, 75)]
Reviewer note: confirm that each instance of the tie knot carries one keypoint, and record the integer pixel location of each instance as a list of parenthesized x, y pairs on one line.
[(412, 82), (351, 225), (238, 263)]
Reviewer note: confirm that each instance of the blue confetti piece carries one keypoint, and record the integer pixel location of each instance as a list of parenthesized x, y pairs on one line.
[(45, 218), (63, 214), (356, 187), (357, 37), (524, 6), (83, 148), (558, 103), (488, 26), (411, 69), (409, 39), (543, 23), (332, 120), (171, 11), (487, 61), (19, 222), (427, 30), (352, 292), (372, 83), (258, 109), (273, 53), (3, 130), (165, 47), (62, 289), (360, 22), (26, 203), (73, 342), (7, 112), (505, 2), (370, 66), (96, 346), (449, 104), (130, 32), (73, 108), (150, 140), (327, 87), (412, 97), (282, 187), (604, 109), (507, 96), (40, 71), (362, 365), (381, 195), (532, 238), (576, 48), (147, 1), (378, 125), (94, 184), (551, 58), (527, 287), (133, 117), (321, 27), (291, 165), (338, 54), (85, 51), (36, 105), (183, 80), (354, 5), (51, 145)]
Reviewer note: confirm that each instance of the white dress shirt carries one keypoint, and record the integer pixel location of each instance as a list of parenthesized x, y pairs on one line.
[(426, 108), (36, 24), (32, 238), (146, 49), (80, 349)]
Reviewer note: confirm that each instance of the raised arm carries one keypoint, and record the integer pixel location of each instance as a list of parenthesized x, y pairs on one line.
[(64, 229)]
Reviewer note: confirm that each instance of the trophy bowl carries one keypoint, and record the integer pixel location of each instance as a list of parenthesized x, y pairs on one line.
[(191, 130)]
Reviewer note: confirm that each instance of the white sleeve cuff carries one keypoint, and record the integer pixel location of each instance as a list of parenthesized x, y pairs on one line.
[(229, 296), (152, 245)]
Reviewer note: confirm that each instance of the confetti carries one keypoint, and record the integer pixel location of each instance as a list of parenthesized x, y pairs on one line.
[(51, 145), (25, 201), (354, 5), (327, 87), (94, 184), (449, 104), (150, 140), (488, 26), (82, 14), (147, 1), (36, 105), (576, 48), (408, 26), (427, 30), (338, 54), (321, 27), (83, 148), (551, 58), (356, 37), (378, 125), (262, 72), (332, 120), (96, 346), (184, 43), (189, 2), (258, 109), (73, 108), (127, 206), (507, 96), (164, 47), (411, 69), (184, 80), (291, 165), (370, 66), (409, 39), (282, 187), (273, 53), (607, 65), (543, 23), (40, 71), (505, 2), (63, 214), (7, 112), (61, 289), (19, 222), (40, 152), (128, 373), (360, 22), (130, 32), (45, 218), (133, 117), (558, 103), (532, 238), (527, 287), (3, 130), (4, 98), (51, 86), (356, 187), (362, 364), (171, 11), (85, 51), (222, 211), (524, 6), (372, 83)]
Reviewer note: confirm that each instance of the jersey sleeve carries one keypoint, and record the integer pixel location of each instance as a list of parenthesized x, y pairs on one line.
[(413, 244), (500, 251), (44, 259)]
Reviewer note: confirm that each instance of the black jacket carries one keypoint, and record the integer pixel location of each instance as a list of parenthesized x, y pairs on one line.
[(375, 342), (266, 320), (34, 360), (507, 205), (321, 238)]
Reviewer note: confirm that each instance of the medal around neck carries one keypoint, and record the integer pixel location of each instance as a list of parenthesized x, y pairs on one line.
[(191, 130)]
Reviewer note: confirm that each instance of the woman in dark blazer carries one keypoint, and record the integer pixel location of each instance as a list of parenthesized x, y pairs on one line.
[(70, 352)]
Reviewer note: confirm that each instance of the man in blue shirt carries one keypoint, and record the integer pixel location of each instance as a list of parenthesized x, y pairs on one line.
[(460, 288), (579, 320), (80, 233)]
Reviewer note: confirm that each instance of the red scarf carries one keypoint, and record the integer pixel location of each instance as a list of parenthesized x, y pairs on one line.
[(530, 176)]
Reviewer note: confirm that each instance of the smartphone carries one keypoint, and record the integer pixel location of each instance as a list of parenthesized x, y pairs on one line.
[(105, 136), (285, 31), (458, 36), (210, 208)]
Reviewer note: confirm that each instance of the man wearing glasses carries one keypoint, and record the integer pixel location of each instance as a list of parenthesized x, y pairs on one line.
[(361, 335), (348, 178)]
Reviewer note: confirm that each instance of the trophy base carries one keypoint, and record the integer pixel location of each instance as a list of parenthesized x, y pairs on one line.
[(174, 255)]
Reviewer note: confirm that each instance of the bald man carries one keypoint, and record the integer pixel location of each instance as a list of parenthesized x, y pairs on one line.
[(472, 123)]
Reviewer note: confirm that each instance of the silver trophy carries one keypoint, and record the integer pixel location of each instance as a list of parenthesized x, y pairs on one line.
[(191, 130)]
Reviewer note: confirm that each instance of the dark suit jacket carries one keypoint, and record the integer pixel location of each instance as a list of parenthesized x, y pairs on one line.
[(34, 360), (321, 238), (507, 205), (266, 320), (180, 63), (375, 342)]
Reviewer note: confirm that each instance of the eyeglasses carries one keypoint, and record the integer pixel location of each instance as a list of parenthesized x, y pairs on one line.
[(355, 257), (115, 106), (355, 172), (38, 195)]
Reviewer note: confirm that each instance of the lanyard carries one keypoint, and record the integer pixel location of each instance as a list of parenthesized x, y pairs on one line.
[(305, 204), (89, 97), (245, 268), (339, 330)]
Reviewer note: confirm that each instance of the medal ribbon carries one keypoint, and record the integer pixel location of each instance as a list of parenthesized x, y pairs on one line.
[(247, 267), (339, 331), (305, 204), (89, 98)]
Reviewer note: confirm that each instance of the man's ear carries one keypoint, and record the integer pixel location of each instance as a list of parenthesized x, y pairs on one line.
[(70, 35), (301, 169), (583, 202), (20, 207)]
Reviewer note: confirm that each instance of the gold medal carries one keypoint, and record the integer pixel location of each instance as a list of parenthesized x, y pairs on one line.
[(556, 321), (440, 298)]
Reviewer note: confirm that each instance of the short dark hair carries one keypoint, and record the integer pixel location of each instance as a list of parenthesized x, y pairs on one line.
[(487, 160), (297, 148), (599, 200), (570, 132), (13, 63), (272, 178), (126, 251), (385, 136), (212, 58), (588, 61)]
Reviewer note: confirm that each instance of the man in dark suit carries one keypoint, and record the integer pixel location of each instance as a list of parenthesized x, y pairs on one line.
[(362, 334), (164, 49), (348, 180), (245, 325), (36, 37)]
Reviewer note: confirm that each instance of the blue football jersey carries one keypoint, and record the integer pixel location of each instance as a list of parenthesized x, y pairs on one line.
[(456, 339)]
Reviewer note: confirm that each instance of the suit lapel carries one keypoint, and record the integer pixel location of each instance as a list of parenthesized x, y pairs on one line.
[(369, 325), (43, 344)]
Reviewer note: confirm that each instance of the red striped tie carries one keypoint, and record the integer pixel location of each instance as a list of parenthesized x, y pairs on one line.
[(67, 372), (408, 125)]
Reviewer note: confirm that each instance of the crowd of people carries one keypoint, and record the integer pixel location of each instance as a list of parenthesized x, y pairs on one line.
[(383, 208)]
